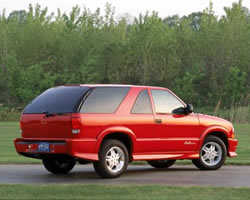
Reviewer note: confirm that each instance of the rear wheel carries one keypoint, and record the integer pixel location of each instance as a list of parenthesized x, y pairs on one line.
[(113, 159), (212, 154), (161, 163), (58, 165)]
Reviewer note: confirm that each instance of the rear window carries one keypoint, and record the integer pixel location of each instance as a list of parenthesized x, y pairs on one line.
[(104, 100), (64, 99)]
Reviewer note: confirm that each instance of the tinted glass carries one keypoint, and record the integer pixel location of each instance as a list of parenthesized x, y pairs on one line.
[(64, 99), (164, 101), (142, 104), (104, 100)]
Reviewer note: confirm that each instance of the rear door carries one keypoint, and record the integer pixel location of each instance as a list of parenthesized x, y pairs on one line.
[(49, 114)]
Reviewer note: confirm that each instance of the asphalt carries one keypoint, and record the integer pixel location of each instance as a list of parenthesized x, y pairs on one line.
[(233, 176)]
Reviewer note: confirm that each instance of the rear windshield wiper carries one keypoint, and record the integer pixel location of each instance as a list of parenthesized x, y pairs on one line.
[(49, 114)]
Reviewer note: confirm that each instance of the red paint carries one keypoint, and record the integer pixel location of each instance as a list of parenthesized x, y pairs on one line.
[(177, 137)]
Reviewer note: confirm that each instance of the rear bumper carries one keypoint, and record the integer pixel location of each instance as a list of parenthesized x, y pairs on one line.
[(78, 148), (232, 146)]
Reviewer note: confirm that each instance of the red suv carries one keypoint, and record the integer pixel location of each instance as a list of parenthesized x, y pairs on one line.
[(112, 125)]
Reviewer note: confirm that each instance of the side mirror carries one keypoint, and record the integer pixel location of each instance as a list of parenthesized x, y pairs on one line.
[(183, 111), (189, 109), (179, 111)]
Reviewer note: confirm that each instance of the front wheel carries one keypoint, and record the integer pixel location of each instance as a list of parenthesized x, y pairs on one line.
[(161, 163), (58, 165), (212, 154), (113, 159)]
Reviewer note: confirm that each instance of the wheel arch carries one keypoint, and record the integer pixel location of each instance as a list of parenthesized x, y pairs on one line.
[(217, 131), (122, 134)]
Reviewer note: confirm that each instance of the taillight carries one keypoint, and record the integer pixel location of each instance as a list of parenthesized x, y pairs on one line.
[(76, 125)]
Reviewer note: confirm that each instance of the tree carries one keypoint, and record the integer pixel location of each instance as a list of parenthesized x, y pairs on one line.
[(200, 56)]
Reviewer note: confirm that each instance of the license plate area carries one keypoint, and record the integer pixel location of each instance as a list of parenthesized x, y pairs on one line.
[(43, 147)]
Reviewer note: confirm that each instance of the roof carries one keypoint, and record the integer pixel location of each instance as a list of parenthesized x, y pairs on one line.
[(113, 85)]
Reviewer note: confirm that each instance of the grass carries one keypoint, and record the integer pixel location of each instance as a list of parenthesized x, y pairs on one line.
[(10, 130), (78, 191), (242, 132)]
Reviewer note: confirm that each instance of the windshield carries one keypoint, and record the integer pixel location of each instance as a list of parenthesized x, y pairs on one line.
[(63, 99)]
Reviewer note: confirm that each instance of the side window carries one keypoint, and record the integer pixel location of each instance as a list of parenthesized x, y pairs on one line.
[(164, 101), (142, 104), (104, 100)]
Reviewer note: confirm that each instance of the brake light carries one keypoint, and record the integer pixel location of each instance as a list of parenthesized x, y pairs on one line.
[(233, 135), (76, 125)]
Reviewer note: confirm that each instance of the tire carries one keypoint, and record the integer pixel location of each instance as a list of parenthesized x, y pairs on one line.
[(212, 154), (58, 165), (108, 165), (160, 164)]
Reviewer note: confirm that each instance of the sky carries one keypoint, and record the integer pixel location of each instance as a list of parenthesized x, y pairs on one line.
[(132, 7)]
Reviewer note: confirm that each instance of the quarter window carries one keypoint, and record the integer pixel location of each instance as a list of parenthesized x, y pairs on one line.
[(142, 104), (104, 100), (164, 101)]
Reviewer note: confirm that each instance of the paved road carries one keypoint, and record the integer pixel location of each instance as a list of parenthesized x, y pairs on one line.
[(234, 176)]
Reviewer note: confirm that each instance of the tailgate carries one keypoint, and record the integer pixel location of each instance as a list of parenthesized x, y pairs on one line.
[(39, 126), (49, 114)]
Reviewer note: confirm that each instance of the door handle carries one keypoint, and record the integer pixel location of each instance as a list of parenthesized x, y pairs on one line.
[(158, 121)]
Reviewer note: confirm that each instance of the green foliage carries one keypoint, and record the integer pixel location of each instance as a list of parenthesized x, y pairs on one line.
[(203, 58), (31, 82), (235, 86), (184, 87), (7, 114)]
